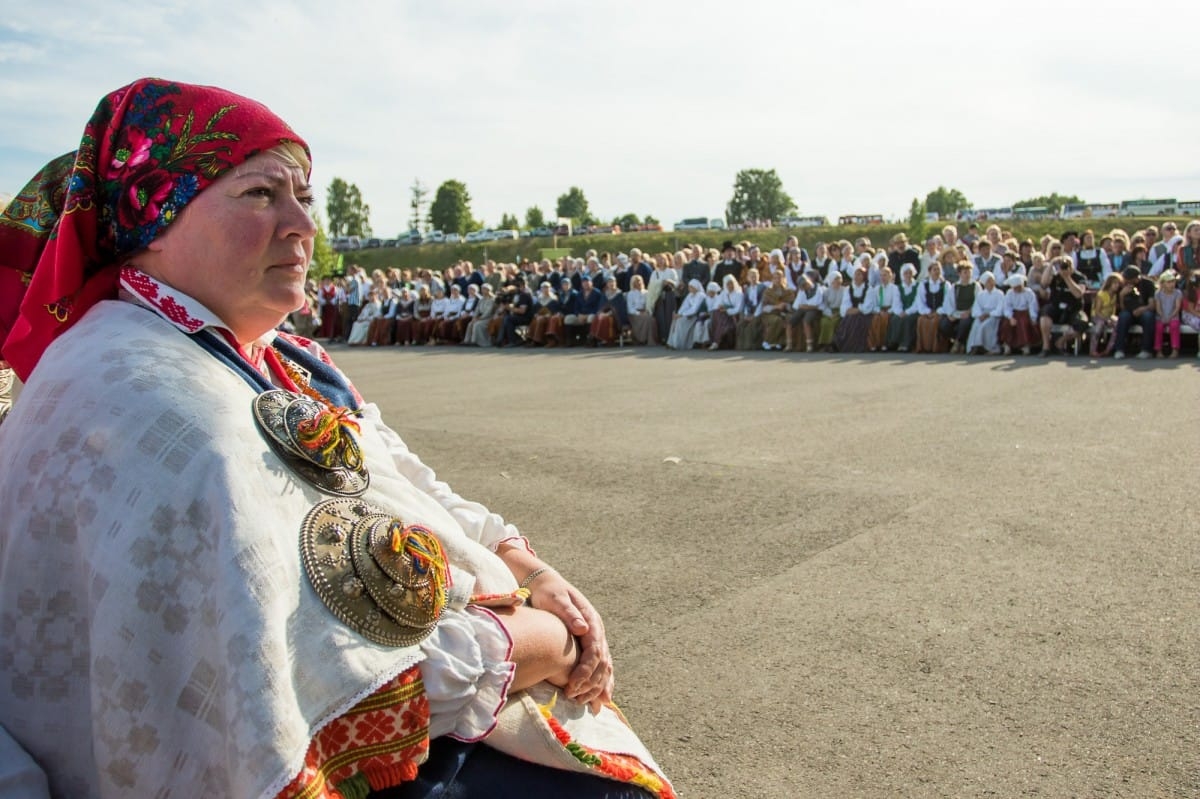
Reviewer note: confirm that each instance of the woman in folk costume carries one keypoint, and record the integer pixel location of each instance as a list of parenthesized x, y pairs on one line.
[(666, 306), (773, 312), (804, 324), (221, 573), (612, 318), (641, 321), (467, 314), (831, 311), (406, 317), (988, 313), (712, 303), (1019, 331), (725, 317), (684, 327), (329, 297), (431, 327), (956, 322), (447, 332), (543, 312), (372, 309), (931, 299), (384, 326), (902, 326), (886, 297), (857, 313), (423, 317), (476, 333), (749, 326)]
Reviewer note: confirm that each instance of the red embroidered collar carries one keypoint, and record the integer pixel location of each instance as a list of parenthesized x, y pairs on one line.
[(183, 311)]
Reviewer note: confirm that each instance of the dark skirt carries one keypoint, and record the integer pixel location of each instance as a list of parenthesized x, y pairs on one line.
[(664, 313), (851, 333), (724, 329)]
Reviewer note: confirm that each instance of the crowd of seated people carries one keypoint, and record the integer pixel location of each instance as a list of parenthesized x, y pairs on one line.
[(1114, 295)]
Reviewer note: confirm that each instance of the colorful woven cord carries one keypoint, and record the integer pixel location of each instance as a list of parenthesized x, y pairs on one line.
[(330, 434), (427, 557)]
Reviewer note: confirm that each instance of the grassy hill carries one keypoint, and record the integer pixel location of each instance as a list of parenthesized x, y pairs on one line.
[(438, 256)]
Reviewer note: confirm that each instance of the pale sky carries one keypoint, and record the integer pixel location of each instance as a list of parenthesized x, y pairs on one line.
[(651, 107)]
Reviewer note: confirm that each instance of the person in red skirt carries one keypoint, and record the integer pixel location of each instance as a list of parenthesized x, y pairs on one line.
[(1018, 331), (328, 299)]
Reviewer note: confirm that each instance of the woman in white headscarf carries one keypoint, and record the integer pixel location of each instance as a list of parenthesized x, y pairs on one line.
[(362, 326), (988, 312), (684, 326), (477, 328), (664, 305), (712, 303), (725, 317)]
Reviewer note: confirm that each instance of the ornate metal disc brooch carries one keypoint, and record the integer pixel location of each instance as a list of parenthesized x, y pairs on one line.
[(317, 442), (383, 579)]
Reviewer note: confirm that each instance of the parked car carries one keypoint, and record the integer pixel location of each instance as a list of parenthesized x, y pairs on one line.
[(372, 244), (539, 232), (340, 244), (433, 237), (453, 238), (476, 235), (506, 234), (354, 243), (414, 236)]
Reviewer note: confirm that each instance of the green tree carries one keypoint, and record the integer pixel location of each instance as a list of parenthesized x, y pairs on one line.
[(627, 222), (509, 222), (758, 194), (450, 211), (946, 202), (324, 259), (534, 217), (574, 206), (650, 220), (419, 191), (348, 214), (916, 222), (1054, 202)]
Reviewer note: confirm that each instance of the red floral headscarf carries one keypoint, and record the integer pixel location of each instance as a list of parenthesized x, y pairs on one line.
[(148, 149)]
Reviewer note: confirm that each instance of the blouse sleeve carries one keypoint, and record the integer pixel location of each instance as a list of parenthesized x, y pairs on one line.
[(477, 522)]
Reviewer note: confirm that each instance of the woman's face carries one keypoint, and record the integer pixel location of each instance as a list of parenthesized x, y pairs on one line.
[(242, 246)]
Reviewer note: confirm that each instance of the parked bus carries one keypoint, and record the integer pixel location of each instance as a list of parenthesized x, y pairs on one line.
[(860, 219), (1149, 208), (994, 213), (804, 221), (1032, 212), (1089, 210), (1191, 209)]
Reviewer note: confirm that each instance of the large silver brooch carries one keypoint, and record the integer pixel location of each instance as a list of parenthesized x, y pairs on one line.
[(318, 443), (385, 580)]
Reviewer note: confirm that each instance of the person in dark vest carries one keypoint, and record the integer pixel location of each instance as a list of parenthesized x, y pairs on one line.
[(931, 301), (1089, 260), (985, 261), (956, 323)]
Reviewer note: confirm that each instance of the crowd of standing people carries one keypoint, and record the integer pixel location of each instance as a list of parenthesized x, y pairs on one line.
[(986, 293)]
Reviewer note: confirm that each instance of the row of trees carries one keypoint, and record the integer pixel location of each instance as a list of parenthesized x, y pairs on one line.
[(758, 194)]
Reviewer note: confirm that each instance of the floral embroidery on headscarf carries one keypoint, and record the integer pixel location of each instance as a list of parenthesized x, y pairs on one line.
[(148, 150)]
